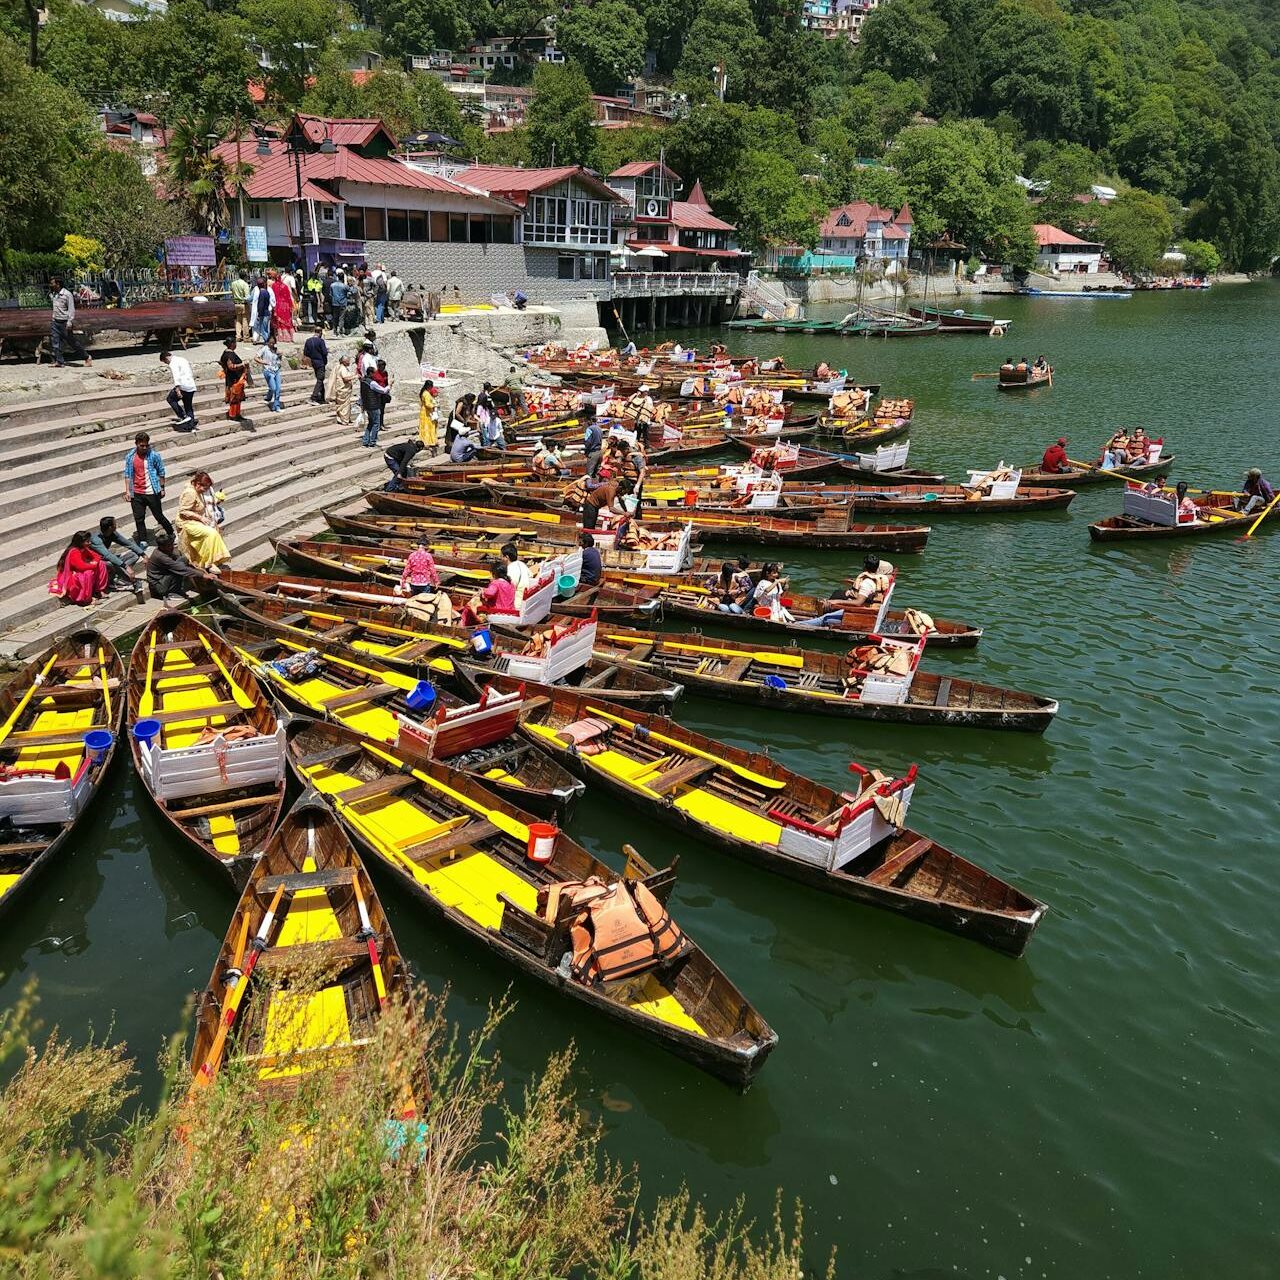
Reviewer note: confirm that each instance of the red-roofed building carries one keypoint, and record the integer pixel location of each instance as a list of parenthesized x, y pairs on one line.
[(862, 230), (333, 191), (1061, 251)]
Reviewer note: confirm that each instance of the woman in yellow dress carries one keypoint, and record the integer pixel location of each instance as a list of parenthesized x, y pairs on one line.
[(198, 536), (427, 427)]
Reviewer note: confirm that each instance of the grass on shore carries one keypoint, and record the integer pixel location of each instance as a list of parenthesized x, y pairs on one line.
[(240, 1187)]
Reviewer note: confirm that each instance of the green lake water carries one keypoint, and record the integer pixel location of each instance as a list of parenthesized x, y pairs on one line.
[(1104, 1107)]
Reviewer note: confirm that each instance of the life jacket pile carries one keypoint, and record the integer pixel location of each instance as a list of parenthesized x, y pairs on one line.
[(617, 930), (848, 404)]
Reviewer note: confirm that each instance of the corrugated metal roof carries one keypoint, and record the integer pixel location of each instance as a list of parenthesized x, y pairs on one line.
[(639, 168), (1046, 235), (517, 184)]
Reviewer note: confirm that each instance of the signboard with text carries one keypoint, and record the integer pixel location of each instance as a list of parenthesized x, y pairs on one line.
[(190, 251), (255, 243)]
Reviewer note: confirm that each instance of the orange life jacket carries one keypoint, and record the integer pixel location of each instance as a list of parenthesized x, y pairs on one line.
[(620, 930)]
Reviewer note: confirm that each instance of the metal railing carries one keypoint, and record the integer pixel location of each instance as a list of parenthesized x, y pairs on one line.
[(764, 295), (660, 284), (92, 288)]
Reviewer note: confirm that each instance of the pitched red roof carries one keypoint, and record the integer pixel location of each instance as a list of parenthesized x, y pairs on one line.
[(697, 217), (345, 133), (698, 197), (517, 185), (274, 177), (905, 218), (640, 168), (859, 213), (1047, 235)]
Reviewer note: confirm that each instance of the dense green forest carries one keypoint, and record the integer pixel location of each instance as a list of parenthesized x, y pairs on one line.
[(1176, 103)]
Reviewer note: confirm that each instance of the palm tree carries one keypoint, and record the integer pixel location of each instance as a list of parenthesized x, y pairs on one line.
[(196, 173)]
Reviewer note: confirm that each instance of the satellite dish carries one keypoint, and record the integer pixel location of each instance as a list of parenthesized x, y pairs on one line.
[(652, 208)]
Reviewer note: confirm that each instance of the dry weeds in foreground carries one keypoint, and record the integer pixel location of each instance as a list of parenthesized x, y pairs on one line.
[(319, 1185)]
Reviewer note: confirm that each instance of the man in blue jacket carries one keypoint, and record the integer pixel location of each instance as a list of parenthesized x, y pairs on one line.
[(144, 486), (338, 306)]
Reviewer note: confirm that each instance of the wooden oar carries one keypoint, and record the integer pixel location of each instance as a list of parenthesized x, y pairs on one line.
[(366, 928), (147, 703), (775, 659), (242, 699), (976, 376), (204, 1076), (16, 713), (106, 684), (689, 748), (1263, 516)]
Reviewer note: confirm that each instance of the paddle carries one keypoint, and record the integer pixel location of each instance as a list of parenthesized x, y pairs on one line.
[(231, 1007), (1263, 516), (147, 703), (775, 659), (976, 376), (688, 747), (16, 713), (106, 682), (242, 699), (366, 930)]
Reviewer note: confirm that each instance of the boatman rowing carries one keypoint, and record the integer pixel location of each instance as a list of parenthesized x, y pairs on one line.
[(1257, 495), (1055, 457)]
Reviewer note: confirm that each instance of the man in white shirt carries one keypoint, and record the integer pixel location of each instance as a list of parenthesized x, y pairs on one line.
[(183, 391), (395, 294), (517, 571)]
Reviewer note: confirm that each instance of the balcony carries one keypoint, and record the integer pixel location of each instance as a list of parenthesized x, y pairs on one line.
[(671, 284)]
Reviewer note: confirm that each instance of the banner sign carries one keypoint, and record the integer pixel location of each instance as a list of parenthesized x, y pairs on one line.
[(255, 243), (190, 251)]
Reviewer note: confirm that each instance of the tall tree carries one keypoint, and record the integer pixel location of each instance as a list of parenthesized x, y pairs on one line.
[(769, 203), (607, 39), (561, 120), (418, 26), (1069, 171), (199, 176), (666, 22), (724, 32), (294, 33), (1136, 228), (115, 203), (1029, 70), (42, 129), (902, 39)]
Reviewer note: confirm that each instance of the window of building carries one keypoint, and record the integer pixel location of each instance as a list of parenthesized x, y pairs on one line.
[(355, 222), (457, 228), (502, 230), (329, 214), (375, 225), (480, 228), (255, 212), (397, 224), (439, 227), (566, 267), (418, 226), (560, 220)]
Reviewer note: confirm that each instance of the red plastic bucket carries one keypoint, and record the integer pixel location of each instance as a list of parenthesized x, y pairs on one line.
[(542, 841)]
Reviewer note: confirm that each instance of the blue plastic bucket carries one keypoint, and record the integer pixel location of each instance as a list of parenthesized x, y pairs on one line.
[(482, 642), (145, 731), (728, 409), (566, 585), (422, 696), (97, 742), (774, 682)]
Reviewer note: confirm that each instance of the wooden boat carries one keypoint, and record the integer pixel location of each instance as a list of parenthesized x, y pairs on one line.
[(708, 526), (959, 321), (206, 741), (841, 685), (687, 595), (435, 719), (49, 774), (398, 639), (1026, 380), (1077, 476), (945, 499), (1151, 516), (307, 969), (484, 867), (905, 328), (861, 433), (384, 562), (747, 804)]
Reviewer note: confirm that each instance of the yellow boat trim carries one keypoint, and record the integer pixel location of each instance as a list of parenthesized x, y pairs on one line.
[(79, 719), (8, 881), (654, 1000), (303, 1022), (777, 659), (723, 815)]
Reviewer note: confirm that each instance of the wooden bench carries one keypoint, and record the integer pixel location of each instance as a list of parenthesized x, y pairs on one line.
[(893, 867), (469, 832), (385, 786), (366, 693), (689, 772), (296, 880)]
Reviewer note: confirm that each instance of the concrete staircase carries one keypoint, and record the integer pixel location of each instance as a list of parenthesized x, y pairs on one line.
[(62, 463)]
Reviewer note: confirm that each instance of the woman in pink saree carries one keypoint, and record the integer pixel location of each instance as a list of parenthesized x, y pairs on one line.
[(82, 572), (284, 308)]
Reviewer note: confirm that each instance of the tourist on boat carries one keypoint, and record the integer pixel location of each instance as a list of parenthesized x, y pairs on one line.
[(546, 460), (499, 596), (639, 409), (628, 351), (624, 460), (1136, 449), (871, 585), (199, 538), (769, 592), (1157, 485), (606, 497), (1188, 512), (420, 573), (82, 574), (1041, 365), (399, 459), (592, 443), (118, 552), (1006, 369), (518, 573), (1257, 495), (823, 372), (1055, 457), (235, 378), (592, 564), (171, 577), (729, 594)]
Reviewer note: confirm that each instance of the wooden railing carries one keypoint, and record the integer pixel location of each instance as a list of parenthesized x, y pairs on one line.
[(661, 284)]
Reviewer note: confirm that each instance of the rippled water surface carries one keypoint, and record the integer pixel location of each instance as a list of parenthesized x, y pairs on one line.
[(1105, 1107)]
